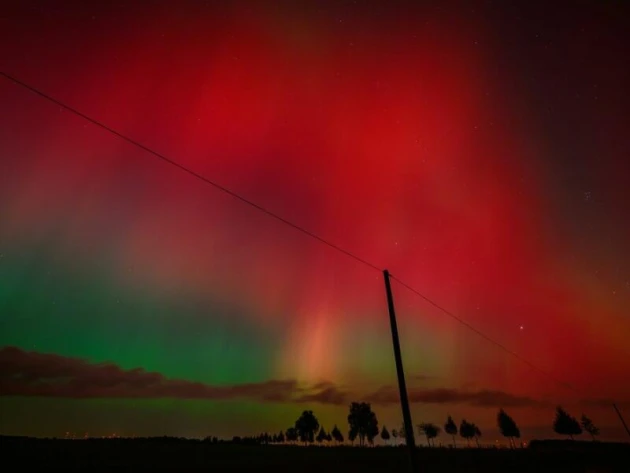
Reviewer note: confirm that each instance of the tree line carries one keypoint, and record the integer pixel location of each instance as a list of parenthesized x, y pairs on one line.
[(363, 427), (563, 424)]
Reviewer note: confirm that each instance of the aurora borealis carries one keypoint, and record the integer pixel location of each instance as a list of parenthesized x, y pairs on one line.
[(479, 153)]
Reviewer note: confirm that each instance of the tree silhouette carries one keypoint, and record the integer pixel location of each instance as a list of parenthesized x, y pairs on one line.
[(517, 435), (385, 434), (352, 435), (321, 436), (337, 435), (292, 434), (372, 431), (306, 426), (430, 431), (588, 426), (451, 428), (467, 431), (477, 434), (508, 427), (401, 434), (395, 436), (281, 437), (362, 422), (566, 424)]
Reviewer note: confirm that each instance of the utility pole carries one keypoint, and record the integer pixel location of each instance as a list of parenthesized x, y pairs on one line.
[(404, 400), (621, 419)]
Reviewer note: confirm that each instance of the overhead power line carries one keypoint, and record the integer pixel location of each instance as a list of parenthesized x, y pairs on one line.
[(275, 216), (188, 170), (484, 336)]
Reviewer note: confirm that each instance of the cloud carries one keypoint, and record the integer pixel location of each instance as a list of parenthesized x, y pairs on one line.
[(423, 377), (481, 398), (606, 403), (329, 395), (28, 373), (25, 373)]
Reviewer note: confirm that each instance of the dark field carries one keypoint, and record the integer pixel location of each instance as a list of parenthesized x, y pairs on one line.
[(139, 455)]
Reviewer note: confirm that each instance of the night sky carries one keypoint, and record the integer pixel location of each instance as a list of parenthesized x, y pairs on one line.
[(478, 151)]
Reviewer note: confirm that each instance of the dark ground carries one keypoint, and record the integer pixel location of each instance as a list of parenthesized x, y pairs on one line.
[(140, 455)]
